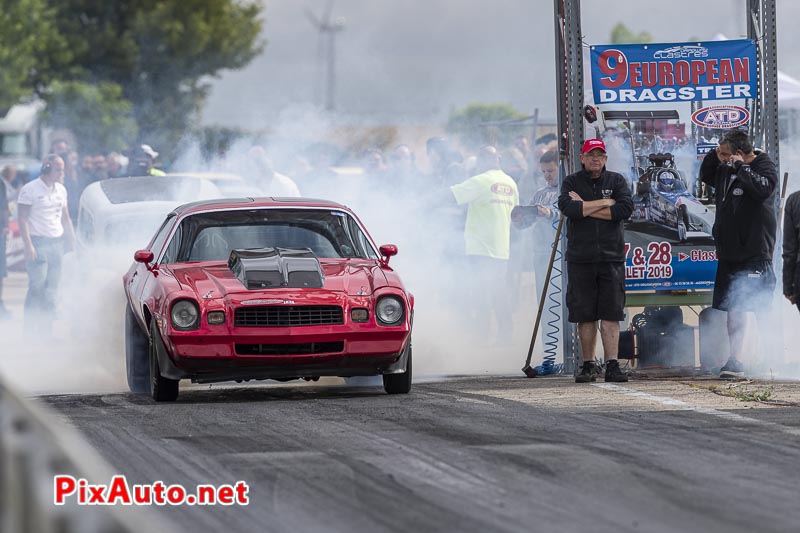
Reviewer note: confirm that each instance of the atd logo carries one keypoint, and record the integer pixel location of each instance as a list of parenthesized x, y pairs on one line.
[(502, 189), (721, 116)]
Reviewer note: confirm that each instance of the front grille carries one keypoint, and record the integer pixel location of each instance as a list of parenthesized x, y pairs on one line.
[(285, 316), (290, 349)]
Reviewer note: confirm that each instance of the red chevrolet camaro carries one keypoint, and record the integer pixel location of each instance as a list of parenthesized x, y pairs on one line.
[(266, 288)]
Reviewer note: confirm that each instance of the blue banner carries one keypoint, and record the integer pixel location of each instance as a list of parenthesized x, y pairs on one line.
[(666, 266), (674, 72), (668, 238)]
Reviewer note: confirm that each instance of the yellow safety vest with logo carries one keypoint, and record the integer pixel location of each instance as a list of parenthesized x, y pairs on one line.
[(490, 197)]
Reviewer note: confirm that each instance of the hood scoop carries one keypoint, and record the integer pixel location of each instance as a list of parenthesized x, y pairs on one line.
[(276, 268)]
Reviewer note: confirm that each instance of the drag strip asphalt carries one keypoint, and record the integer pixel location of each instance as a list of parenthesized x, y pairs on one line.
[(466, 454)]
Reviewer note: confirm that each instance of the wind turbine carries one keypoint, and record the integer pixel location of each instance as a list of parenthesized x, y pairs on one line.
[(326, 50)]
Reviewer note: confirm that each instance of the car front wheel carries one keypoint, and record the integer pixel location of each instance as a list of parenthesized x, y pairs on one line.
[(161, 389), (136, 354), (399, 383)]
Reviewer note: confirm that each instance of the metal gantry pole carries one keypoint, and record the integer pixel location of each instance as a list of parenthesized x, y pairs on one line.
[(761, 25), (569, 94), (770, 75), (753, 21)]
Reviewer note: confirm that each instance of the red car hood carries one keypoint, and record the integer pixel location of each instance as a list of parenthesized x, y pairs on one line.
[(215, 279)]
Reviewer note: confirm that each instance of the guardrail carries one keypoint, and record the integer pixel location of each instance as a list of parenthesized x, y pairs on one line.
[(34, 447)]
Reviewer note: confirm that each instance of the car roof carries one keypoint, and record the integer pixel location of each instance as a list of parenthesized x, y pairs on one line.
[(223, 204), (110, 198), (147, 188)]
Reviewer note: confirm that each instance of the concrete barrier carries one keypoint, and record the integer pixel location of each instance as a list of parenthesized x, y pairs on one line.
[(35, 447)]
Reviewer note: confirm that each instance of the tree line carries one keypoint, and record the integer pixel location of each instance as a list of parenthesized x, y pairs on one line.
[(119, 71)]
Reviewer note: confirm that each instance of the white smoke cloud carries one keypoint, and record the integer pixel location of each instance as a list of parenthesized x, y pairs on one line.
[(88, 354), (430, 262)]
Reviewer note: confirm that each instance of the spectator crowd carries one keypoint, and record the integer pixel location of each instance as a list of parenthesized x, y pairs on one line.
[(466, 198), (490, 214)]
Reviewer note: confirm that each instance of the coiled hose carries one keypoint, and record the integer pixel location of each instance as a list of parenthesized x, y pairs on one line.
[(549, 365)]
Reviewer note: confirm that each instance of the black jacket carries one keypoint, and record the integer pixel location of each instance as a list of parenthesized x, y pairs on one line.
[(593, 240), (745, 222), (791, 245)]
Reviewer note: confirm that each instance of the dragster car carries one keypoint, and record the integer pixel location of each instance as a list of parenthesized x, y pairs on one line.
[(270, 288), (660, 197)]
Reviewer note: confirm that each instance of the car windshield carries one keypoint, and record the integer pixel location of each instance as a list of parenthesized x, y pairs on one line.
[(211, 236)]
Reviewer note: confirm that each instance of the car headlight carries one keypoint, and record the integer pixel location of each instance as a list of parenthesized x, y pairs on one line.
[(184, 314), (390, 310)]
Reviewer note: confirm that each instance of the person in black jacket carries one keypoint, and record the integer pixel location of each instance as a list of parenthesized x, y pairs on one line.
[(745, 182), (596, 202), (791, 249)]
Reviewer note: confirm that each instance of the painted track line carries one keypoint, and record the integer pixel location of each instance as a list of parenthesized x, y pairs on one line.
[(672, 402)]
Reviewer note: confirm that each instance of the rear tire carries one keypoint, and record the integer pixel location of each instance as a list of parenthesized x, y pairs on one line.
[(399, 383), (161, 389), (136, 354)]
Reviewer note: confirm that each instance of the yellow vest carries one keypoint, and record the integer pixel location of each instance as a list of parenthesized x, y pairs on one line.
[(490, 197)]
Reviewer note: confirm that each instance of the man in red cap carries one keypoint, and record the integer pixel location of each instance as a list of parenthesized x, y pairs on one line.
[(595, 202)]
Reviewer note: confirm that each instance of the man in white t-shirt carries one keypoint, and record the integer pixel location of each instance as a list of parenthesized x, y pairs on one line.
[(44, 222)]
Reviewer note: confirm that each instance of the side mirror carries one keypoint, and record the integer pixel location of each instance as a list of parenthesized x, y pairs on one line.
[(387, 251), (143, 256)]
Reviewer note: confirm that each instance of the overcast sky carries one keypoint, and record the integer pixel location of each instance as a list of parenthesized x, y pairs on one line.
[(415, 60)]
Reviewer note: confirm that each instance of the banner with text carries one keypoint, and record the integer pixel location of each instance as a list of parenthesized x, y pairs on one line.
[(674, 72), (661, 108)]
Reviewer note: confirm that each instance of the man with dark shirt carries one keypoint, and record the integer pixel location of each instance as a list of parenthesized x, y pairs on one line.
[(596, 202), (745, 181), (791, 249)]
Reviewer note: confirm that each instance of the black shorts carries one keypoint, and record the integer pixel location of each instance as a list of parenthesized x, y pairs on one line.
[(744, 286), (595, 291)]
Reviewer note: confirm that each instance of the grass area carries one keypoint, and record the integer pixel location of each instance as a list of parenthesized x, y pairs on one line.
[(742, 391)]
